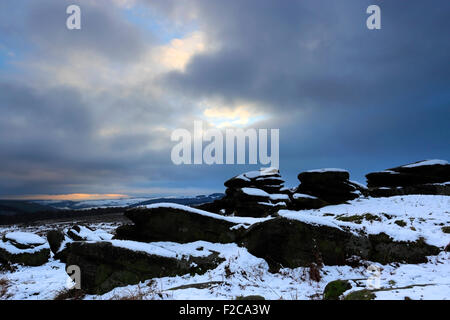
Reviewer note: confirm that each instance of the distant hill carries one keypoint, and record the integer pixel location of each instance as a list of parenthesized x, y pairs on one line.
[(184, 201), (12, 207), (128, 202), (18, 211)]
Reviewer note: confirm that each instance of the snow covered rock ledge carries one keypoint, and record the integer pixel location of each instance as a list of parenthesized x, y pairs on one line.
[(296, 240), (178, 223), (105, 265), (24, 248), (423, 177)]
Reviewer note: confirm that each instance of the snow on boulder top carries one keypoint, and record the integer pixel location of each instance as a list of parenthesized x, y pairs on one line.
[(25, 238), (302, 196), (327, 170), (255, 192), (269, 171), (390, 172), (359, 184), (259, 173), (426, 163), (279, 196), (237, 220), (163, 249)]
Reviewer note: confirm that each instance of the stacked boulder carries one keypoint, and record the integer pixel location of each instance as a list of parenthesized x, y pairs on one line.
[(423, 177), (24, 248), (323, 187), (254, 194)]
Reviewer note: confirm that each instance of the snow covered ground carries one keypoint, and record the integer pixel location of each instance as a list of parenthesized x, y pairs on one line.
[(243, 274)]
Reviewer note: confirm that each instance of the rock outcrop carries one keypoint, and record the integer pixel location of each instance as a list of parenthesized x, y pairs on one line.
[(178, 223), (423, 177), (105, 265), (24, 248), (292, 243), (330, 186), (252, 194)]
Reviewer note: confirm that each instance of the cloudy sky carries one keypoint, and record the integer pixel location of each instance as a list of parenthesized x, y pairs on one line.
[(91, 111)]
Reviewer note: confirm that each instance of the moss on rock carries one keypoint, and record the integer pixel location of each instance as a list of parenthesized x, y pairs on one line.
[(360, 295), (335, 289)]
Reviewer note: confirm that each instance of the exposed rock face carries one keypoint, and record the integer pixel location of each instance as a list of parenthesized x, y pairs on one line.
[(423, 177), (24, 248), (289, 243), (178, 223), (55, 239), (331, 186), (292, 243), (105, 265)]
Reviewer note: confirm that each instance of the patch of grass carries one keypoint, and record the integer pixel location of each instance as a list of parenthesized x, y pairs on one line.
[(202, 285), (314, 272), (446, 229), (400, 223), (150, 293), (4, 285), (70, 294), (255, 297), (358, 219), (7, 267)]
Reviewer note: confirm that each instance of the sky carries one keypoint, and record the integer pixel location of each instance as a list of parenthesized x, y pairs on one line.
[(89, 113)]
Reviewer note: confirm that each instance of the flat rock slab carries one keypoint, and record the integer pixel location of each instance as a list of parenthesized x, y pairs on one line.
[(105, 265), (182, 224)]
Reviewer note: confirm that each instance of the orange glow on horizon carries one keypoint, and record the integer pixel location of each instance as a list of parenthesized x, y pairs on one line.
[(71, 196)]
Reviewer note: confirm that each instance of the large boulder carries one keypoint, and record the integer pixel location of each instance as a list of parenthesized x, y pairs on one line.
[(105, 265), (55, 239), (290, 243), (423, 177), (178, 223), (24, 248), (332, 186), (258, 193), (285, 242)]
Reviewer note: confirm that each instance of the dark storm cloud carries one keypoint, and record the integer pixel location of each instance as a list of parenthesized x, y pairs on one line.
[(347, 96), (49, 144), (320, 51), (341, 95), (43, 24)]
